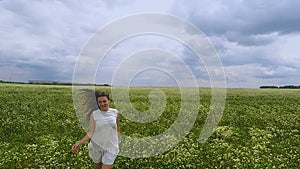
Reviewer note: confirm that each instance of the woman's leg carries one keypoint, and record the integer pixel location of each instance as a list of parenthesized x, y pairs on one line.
[(104, 166), (98, 165)]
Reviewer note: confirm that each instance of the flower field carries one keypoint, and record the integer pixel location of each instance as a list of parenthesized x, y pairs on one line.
[(260, 128)]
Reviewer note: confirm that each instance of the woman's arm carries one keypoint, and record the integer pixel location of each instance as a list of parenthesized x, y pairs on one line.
[(118, 127), (86, 137)]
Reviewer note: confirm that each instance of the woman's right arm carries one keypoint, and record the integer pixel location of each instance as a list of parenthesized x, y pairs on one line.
[(86, 137)]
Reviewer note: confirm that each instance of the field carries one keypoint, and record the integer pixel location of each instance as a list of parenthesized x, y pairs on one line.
[(260, 128)]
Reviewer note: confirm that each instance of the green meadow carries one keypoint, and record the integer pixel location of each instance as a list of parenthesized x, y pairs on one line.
[(260, 128)]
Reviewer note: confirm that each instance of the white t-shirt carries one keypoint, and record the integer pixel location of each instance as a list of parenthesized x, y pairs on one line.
[(106, 134)]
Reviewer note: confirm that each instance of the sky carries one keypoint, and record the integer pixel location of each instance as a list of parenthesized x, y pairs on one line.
[(257, 42)]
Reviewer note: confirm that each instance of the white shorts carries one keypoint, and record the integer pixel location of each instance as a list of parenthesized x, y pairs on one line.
[(98, 154)]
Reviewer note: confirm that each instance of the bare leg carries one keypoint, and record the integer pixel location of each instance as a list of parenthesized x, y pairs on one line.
[(104, 166), (98, 165)]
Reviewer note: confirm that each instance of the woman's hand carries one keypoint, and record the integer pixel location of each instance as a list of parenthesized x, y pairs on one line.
[(75, 148)]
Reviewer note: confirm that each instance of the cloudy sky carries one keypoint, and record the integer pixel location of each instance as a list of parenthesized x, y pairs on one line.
[(256, 41)]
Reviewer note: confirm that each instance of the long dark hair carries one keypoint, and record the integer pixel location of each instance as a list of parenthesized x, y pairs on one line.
[(91, 100)]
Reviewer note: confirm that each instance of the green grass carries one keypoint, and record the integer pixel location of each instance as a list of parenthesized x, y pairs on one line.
[(260, 128)]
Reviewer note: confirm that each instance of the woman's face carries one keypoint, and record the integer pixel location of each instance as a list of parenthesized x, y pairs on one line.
[(103, 103)]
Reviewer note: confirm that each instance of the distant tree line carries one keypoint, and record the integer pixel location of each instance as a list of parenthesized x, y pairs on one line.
[(3, 81), (280, 87), (49, 82), (43, 82)]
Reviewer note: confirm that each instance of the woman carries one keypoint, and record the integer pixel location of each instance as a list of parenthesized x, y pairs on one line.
[(104, 133)]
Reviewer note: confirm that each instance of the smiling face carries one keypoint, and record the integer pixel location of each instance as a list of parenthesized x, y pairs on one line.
[(103, 103)]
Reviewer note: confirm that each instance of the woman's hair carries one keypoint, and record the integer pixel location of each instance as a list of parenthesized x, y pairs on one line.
[(102, 94), (91, 100)]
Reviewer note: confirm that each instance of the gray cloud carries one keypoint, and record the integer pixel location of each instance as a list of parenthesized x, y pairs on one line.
[(246, 22)]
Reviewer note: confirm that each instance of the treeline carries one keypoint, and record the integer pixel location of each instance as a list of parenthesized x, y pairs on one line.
[(3, 81), (280, 87), (49, 82)]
